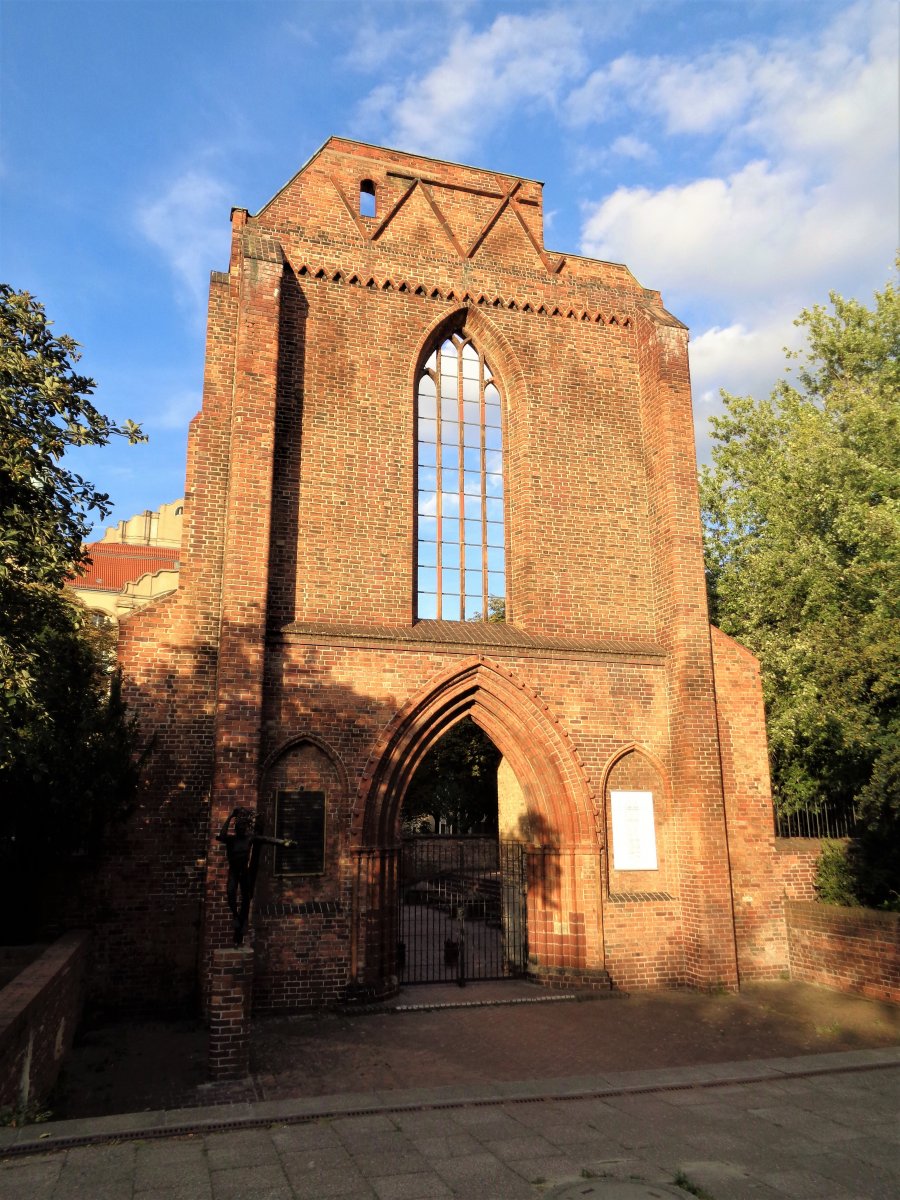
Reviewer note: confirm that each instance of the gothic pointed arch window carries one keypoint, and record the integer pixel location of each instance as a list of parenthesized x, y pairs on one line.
[(461, 543)]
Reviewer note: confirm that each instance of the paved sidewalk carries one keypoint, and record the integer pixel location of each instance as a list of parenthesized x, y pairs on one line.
[(131, 1065), (818, 1126)]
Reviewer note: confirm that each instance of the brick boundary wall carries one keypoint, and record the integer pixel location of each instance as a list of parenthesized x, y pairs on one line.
[(39, 1012), (231, 1000), (796, 861), (14, 959), (850, 949)]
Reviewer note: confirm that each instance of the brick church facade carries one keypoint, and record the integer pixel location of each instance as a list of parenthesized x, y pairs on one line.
[(336, 546)]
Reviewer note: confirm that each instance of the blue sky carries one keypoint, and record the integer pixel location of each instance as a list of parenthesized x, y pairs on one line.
[(740, 156)]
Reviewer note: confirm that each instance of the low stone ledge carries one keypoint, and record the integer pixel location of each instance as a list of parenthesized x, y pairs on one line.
[(39, 1012)]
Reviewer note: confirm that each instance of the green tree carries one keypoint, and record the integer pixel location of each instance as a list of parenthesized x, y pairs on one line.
[(44, 411), (801, 510), (66, 745), (457, 781), (45, 508), (496, 610)]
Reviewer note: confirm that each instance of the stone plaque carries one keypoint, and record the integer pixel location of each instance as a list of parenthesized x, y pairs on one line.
[(300, 816), (634, 834)]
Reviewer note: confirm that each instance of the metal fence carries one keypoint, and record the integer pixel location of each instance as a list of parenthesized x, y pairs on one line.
[(462, 910), (823, 821)]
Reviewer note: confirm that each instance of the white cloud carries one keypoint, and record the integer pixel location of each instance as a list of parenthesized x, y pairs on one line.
[(740, 359), (834, 104), (762, 229), (705, 95), (692, 97), (808, 202), (629, 146), (807, 212), (518, 61), (188, 222)]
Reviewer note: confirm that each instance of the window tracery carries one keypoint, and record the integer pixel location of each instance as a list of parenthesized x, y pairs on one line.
[(461, 555)]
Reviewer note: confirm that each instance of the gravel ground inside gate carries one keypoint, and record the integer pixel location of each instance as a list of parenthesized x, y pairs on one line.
[(130, 1066)]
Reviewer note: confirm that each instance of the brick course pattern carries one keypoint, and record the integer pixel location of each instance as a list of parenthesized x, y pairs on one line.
[(40, 1009), (291, 655), (851, 949), (231, 1001)]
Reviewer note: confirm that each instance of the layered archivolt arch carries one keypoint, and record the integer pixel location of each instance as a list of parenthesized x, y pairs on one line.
[(520, 725)]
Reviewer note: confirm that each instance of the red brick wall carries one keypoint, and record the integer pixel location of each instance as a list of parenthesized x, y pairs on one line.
[(757, 876), (291, 650), (642, 922), (765, 870), (146, 898), (39, 1013), (796, 860), (851, 949), (231, 1001), (680, 599)]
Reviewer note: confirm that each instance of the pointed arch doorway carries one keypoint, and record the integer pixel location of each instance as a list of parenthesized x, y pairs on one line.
[(561, 912), (462, 877)]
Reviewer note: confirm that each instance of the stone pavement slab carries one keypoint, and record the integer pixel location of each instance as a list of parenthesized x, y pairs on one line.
[(495, 1044), (820, 1126)]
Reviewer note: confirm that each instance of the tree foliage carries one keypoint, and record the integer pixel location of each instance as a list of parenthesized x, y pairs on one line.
[(457, 781), (45, 508), (66, 744), (835, 882), (802, 518), (44, 411), (496, 610), (66, 756)]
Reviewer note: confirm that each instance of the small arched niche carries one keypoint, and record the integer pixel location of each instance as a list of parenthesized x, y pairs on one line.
[(367, 198), (304, 789), (638, 827)]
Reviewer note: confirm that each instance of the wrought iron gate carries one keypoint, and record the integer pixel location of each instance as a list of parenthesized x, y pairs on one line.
[(462, 909)]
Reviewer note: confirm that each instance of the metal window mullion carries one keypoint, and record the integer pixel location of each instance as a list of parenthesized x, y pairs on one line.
[(438, 481), (483, 458), (461, 474), (438, 486)]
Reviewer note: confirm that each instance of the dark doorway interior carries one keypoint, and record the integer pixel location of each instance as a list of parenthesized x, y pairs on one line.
[(462, 891), (454, 790)]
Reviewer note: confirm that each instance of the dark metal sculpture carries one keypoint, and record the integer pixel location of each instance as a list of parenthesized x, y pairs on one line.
[(242, 837)]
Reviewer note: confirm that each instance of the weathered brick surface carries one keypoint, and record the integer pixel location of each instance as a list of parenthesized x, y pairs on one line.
[(39, 1012), (230, 1003), (758, 876), (291, 655), (797, 859), (851, 949)]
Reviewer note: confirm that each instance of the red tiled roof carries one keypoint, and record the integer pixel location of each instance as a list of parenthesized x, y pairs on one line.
[(113, 564)]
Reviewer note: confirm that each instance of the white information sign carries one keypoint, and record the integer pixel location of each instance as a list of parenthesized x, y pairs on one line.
[(634, 835)]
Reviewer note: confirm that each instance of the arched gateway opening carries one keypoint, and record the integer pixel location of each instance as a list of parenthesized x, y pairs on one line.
[(462, 886), (549, 809)]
